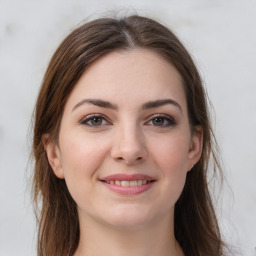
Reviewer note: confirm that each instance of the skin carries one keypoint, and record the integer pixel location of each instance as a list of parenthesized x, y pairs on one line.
[(126, 138)]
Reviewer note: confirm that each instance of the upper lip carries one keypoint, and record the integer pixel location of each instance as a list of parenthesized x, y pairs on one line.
[(127, 177)]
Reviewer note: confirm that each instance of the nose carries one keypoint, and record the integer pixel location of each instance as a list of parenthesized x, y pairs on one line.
[(129, 146)]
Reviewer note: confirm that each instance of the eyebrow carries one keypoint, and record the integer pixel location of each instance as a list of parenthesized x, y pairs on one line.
[(107, 104), (96, 102), (159, 103)]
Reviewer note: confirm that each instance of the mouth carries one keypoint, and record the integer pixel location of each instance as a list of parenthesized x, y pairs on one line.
[(128, 184)]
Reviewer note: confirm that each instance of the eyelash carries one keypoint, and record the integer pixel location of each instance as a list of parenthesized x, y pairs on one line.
[(89, 118), (167, 120)]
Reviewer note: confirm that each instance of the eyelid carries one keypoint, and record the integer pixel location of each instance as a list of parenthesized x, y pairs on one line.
[(89, 117), (84, 121), (170, 119)]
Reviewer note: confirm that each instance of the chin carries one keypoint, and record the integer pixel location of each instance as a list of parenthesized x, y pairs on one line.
[(130, 217)]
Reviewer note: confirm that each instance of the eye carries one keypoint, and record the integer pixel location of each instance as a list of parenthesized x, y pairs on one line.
[(162, 121), (94, 120)]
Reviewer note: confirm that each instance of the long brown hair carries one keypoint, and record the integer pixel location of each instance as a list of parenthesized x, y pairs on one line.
[(196, 226)]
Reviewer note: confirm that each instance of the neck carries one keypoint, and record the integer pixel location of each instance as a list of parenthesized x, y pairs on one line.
[(154, 239)]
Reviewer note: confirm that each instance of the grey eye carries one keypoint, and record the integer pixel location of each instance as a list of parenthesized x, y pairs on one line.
[(162, 121), (94, 120), (158, 121)]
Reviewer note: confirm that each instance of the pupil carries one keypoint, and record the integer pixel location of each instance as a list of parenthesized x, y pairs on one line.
[(158, 121), (96, 121)]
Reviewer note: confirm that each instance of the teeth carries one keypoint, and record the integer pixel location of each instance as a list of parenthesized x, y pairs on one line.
[(126, 183), (133, 183)]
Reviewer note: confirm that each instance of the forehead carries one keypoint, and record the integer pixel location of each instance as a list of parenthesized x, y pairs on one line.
[(131, 76)]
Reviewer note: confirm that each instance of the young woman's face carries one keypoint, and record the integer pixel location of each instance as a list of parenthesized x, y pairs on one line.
[(125, 144)]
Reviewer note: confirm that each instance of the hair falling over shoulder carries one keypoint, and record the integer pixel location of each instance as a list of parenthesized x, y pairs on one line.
[(196, 225)]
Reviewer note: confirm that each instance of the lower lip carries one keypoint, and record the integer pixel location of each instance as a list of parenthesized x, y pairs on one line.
[(129, 190)]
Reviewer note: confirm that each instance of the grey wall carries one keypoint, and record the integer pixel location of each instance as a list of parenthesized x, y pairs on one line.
[(221, 36)]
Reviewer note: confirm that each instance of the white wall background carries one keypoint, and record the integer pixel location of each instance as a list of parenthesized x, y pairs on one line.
[(220, 34)]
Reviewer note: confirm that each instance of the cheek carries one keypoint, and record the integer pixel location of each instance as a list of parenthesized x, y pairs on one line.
[(172, 154), (80, 158), (82, 153), (171, 157)]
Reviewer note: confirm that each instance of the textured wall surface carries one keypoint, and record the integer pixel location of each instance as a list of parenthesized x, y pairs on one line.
[(221, 36)]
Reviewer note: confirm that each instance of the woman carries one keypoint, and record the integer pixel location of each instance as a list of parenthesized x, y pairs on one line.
[(122, 141)]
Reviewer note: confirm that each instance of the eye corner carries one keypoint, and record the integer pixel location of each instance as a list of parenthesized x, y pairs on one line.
[(161, 121), (94, 121)]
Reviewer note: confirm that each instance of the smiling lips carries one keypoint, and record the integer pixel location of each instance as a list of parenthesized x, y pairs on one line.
[(128, 184)]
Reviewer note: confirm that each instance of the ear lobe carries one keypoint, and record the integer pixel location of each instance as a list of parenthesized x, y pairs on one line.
[(53, 155), (196, 146)]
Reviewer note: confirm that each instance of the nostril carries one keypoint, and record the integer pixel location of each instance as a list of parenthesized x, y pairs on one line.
[(129, 160), (128, 154)]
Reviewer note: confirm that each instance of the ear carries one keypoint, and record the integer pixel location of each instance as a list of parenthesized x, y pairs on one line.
[(195, 148), (53, 155)]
